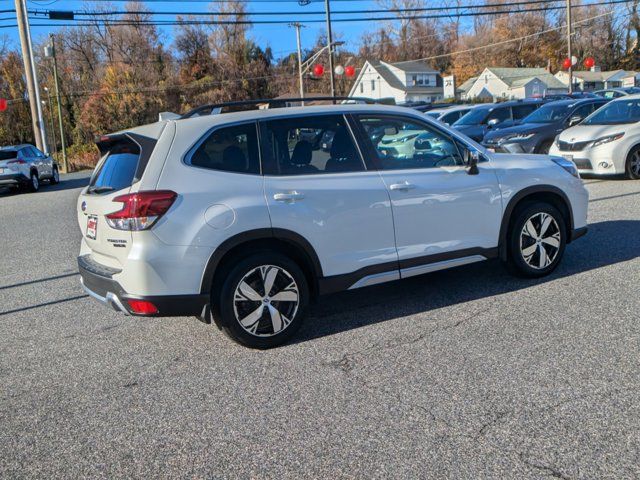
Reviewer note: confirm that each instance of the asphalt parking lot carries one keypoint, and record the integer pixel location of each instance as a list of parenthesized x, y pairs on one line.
[(468, 373)]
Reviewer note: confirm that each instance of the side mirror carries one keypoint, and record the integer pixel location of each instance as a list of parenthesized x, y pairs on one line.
[(493, 122), (471, 159), (575, 120), (390, 131)]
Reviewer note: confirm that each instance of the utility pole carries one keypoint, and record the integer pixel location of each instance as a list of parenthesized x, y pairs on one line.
[(569, 50), (297, 26), (50, 52), (330, 45), (30, 75), (53, 129)]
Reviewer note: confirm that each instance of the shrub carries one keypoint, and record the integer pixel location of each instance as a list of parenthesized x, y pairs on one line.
[(80, 156)]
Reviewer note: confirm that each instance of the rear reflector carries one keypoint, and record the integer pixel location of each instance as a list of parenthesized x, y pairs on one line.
[(141, 210), (142, 306)]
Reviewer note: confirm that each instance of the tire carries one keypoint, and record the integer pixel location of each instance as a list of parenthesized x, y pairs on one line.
[(34, 182), (55, 178), (632, 165), (530, 253), (253, 317), (545, 147)]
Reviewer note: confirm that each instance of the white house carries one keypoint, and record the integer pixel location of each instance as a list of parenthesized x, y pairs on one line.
[(594, 79), (412, 81), (495, 83)]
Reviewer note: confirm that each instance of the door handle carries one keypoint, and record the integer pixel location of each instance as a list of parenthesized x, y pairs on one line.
[(404, 186), (288, 197)]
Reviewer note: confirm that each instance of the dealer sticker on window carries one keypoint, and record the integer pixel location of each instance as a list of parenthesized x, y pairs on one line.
[(92, 227)]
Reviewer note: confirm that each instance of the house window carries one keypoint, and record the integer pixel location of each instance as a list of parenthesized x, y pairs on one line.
[(373, 85), (361, 87)]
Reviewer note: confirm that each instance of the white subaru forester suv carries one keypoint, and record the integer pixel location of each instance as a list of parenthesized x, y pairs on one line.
[(244, 217)]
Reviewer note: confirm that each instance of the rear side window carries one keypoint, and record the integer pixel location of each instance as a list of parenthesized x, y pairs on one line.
[(309, 145), (229, 149), (118, 169)]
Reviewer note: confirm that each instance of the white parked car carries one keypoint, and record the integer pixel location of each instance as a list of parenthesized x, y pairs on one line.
[(243, 217), (607, 142), (24, 166)]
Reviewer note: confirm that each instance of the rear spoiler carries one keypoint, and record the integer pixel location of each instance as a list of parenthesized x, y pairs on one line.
[(145, 144)]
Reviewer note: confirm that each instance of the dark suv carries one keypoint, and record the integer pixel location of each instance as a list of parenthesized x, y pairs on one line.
[(483, 118), (537, 131)]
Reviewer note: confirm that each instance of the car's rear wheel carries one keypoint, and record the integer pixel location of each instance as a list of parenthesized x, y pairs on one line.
[(262, 300), (34, 182), (632, 166), (536, 240), (55, 177)]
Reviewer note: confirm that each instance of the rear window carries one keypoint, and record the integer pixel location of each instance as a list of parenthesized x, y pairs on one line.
[(7, 154), (118, 169)]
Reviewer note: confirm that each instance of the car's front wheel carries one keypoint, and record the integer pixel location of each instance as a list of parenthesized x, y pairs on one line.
[(262, 300), (536, 240), (632, 166)]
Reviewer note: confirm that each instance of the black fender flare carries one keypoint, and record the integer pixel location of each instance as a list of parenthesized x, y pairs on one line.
[(282, 234), (525, 192)]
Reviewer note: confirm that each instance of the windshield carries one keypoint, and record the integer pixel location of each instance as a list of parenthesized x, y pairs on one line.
[(616, 112), (547, 114), (118, 169), (7, 154), (474, 117)]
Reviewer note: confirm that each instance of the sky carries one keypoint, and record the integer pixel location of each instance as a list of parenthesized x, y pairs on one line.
[(280, 38)]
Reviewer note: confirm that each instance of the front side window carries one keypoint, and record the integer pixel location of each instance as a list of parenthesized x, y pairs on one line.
[(476, 116), (521, 111), (547, 114), (229, 149), (404, 143), (309, 145), (499, 114)]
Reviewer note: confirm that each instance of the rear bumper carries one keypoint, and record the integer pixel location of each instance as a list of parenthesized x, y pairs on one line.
[(13, 179), (97, 281)]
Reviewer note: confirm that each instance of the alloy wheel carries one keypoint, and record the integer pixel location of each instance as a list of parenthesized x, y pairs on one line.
[(540, 240), (266, 300), (634, 163)]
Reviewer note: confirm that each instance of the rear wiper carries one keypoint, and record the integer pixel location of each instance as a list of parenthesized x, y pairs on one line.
[(100, 189)]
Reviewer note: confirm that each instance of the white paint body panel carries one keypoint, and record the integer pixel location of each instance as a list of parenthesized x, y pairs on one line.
[(447, 210), (345, 216)]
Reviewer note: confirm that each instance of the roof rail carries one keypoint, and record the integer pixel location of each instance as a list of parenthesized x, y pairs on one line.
[(217, 108)]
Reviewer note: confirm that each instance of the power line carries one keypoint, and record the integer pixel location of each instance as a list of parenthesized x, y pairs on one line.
[(127, 22), (300, 12)]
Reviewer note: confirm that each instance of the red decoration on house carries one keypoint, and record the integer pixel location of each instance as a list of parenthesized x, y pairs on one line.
[(589, 62), (566, 63), (3, 104), (318, 70), (349, 70)]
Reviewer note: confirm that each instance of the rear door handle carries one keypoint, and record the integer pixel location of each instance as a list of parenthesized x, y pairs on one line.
[(404, 186), (288, 197)]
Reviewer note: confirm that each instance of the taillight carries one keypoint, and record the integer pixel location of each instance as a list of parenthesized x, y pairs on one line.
[(140, 210), (142, 307)]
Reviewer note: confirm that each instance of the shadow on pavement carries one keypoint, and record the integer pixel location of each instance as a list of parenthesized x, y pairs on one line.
[(66, 183), (607, 243)]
